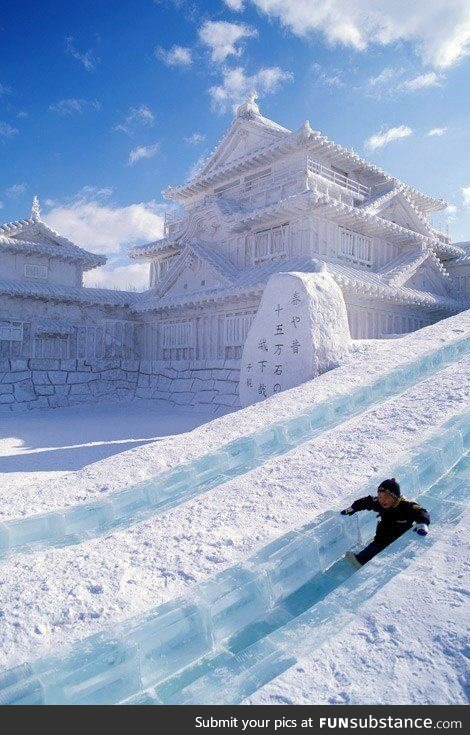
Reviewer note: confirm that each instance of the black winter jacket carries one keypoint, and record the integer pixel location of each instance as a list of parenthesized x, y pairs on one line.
[(393, 521)]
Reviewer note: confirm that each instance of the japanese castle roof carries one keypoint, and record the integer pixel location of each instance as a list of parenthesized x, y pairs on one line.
[(48, 291), (253, 280), (349, 216), (276, 142), (33, 236)]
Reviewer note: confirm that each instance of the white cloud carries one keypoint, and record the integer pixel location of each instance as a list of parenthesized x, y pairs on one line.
[(328, 78), (236, 85), (93, 221), (386, 76), (175, 56), (126, 277), (86, 58), (7, 131), (142, 151), (72, 104), (15, 191), (379, 140), (429, 79), (195, 139), (466, 195), (437, 132), (439, 32), (393, 81), (4, 89), (222, 38), (136, 116), (236, 5)]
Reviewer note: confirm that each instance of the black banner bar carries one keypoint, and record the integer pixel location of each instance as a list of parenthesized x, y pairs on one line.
[(316, 719)]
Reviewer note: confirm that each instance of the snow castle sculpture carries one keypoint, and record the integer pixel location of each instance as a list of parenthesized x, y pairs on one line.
[(300, 331)]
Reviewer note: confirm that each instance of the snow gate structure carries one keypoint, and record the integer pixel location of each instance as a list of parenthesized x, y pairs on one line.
[(268, 200)]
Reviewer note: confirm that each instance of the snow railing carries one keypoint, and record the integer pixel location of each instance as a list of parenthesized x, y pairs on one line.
[(181, 651), (147, 498)]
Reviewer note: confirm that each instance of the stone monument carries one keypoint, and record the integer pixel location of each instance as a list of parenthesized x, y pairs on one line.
[(300, 331)]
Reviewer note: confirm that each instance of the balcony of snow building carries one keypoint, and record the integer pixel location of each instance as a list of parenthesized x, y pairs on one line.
[(266, 187)]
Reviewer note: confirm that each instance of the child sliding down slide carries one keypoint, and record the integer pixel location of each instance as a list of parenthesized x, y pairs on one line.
[(397, 515)]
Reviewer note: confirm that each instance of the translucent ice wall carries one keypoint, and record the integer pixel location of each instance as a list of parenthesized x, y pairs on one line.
[(245, 626)]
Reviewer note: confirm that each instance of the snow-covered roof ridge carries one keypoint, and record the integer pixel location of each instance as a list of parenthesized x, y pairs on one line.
[(66, 252), (307, 198), (253, 280), (74, 294), (17, 234), (402, 268), (225, 270), (403, 264), (247, 115), (305, 138), (150, 248), (215, 258)]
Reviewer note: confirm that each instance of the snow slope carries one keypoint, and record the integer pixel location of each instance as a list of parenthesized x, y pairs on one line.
[(412, 632), (24, 493), (63, 594), (406, 647)]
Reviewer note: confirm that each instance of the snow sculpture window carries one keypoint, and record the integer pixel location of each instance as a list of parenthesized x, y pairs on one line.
[(236, 329), (253, 181), (11, 331), (271, 242), (35, 271), (115, 338), (355, 247), (177, 336), (51, 346)]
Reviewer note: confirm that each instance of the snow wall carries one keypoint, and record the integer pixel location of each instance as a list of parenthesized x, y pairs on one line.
[(300, 331)]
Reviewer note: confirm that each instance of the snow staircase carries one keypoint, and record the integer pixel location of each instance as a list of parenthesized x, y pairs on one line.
[(239, 630), (156, 495)]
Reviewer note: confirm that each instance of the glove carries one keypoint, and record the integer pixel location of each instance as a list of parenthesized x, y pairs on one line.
[(348, 511), (421, 529)]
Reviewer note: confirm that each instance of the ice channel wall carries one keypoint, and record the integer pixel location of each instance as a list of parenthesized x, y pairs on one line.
[(149, 650)]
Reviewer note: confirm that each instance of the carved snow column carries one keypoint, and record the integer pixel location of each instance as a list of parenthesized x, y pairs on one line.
[(300, 331)]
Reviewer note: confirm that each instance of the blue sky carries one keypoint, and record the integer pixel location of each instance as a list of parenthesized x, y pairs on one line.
[(104, 104)]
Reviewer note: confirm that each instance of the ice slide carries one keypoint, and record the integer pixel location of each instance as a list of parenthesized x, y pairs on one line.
[(152, 497), (250, 623)]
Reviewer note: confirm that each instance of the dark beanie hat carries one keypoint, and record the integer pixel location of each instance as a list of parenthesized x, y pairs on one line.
[(391, 487)]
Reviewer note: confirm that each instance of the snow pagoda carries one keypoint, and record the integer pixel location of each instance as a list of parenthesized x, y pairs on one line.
[(267, 201), (46, 312), (271, 200)]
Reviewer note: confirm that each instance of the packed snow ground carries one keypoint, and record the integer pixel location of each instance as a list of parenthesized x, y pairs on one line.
[(52, 597), (405, 647), (40, 447), (30, 484), (57, 595)]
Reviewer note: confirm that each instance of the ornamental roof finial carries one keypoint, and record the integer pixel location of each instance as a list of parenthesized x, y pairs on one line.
[(249, 108), (305, 130), (35, 209)]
